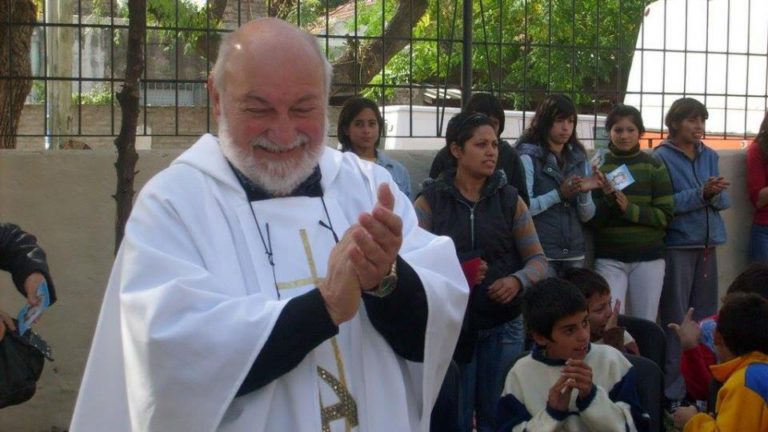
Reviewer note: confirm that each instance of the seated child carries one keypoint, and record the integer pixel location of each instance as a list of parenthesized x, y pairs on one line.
[(567, 383), (697, 339), (741, 343), (603, 319)]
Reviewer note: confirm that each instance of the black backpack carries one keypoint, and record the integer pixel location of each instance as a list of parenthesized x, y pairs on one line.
[(21, 364)]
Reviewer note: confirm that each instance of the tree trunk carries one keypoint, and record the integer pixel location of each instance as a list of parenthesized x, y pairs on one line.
[(360, 66), (129, 105), (359, 63), (15, 40), (58, 99)]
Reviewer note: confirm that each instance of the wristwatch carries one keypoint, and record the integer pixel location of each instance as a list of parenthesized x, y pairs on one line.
[(388, 284)]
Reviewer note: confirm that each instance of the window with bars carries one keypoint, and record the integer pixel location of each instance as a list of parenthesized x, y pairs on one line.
[(416, 58)]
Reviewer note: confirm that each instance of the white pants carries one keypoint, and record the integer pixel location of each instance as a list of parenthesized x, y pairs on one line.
[(636, 284)]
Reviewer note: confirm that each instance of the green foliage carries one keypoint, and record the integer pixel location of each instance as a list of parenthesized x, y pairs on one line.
[(185, 14), (96, 96), (122, 10), (369, 19), (100, 95), (308, 11), (521, 47), (418, 60), (37, 93), (100, 8)]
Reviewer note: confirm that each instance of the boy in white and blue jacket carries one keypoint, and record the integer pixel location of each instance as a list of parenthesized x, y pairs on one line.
[(567, 383), (700, 194)]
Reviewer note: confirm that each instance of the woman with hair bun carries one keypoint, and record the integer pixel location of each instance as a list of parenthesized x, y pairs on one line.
[(491, 227)]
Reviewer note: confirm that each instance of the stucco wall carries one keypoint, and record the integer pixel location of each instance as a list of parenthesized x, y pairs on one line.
[(65, 199)]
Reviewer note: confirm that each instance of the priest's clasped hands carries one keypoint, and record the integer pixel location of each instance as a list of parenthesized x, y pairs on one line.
[(362, 258)]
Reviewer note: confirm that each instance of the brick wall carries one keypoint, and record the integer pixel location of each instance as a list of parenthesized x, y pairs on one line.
[(100, 124)]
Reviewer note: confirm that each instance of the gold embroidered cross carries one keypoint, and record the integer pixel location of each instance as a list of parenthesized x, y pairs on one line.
[(346, 408), (313, 279)]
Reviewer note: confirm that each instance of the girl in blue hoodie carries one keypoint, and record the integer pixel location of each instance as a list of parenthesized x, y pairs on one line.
[(690, 280)]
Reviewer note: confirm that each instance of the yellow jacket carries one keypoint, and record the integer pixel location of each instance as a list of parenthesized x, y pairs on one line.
[(742, 402)]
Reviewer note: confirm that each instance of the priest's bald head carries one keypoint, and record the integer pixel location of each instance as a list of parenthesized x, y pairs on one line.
[(269, 88)]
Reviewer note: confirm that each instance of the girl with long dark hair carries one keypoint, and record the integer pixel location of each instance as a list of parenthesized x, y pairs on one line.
[(559, 181), (359, 131)]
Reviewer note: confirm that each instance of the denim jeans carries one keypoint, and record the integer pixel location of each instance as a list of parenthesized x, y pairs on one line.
[(758, 244), (482, 379)]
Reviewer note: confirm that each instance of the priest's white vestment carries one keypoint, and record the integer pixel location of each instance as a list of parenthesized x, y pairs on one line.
[(192, 299)]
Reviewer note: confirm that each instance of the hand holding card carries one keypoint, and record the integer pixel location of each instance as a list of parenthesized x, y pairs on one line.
[(590, 183), (620, 178), (28, 314), (598, 159)]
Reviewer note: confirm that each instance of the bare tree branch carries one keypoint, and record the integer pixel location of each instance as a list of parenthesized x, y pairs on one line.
[(129, 105)]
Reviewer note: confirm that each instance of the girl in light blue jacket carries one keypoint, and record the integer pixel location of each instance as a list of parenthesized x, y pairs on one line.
[(559, 180)]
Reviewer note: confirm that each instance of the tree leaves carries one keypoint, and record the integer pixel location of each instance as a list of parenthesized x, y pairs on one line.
[(522, 48)]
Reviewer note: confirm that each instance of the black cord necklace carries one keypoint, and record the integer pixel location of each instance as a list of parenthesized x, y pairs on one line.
[(267, 247), (267, 243), (255, 193)]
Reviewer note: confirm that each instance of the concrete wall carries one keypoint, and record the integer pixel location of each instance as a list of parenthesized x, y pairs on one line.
[(65, 199)]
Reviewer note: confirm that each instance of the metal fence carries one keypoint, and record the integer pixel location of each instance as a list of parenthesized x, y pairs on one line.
[(416, 58)]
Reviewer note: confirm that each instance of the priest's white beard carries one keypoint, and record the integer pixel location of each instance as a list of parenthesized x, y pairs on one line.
[(277, 178)]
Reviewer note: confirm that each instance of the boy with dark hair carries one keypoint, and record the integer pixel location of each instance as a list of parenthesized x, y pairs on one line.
[(741, 341), (566, 383), (697, 339), (603, 318)]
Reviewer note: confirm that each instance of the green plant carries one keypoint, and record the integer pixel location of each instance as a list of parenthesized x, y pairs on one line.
[(95, 96), (173, 15), (522, 47), (37, 94), (307, 12)]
